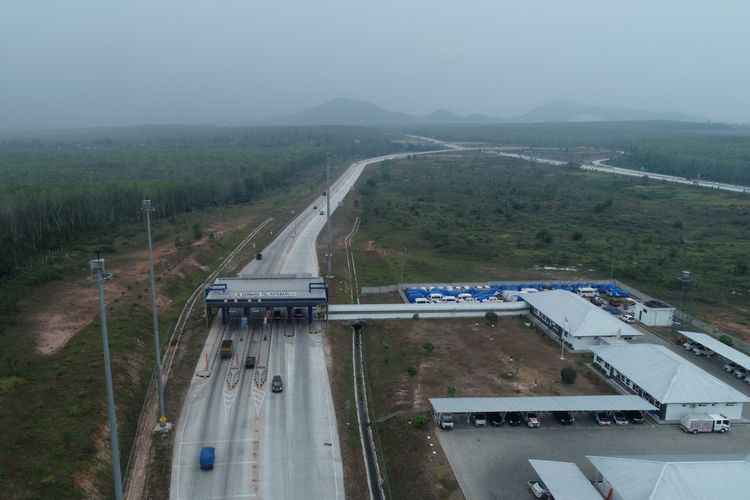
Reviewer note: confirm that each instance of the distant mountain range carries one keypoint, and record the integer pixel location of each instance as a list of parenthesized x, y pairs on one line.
[(343, 111)]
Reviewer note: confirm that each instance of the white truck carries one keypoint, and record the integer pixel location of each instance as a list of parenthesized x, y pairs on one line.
[(702, 422)]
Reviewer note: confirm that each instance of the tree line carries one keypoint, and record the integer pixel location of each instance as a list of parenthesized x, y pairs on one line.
[(55, 192), (715, 158)]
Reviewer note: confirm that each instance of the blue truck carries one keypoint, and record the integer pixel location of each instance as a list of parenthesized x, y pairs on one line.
[(207, 457)]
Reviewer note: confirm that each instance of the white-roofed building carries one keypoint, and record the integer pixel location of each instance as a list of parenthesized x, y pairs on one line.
[(579, 323), (653, 313), (564, 480), (668, 381), (703, 477)]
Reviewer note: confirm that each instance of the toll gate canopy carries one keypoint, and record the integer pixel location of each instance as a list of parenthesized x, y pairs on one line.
[(265, 292), (541, 404)]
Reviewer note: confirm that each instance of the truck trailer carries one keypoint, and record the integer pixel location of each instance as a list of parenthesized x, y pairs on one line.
[(702, 422), (225, 351)]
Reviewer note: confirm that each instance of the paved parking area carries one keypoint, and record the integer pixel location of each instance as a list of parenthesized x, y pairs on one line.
[(492, 463)]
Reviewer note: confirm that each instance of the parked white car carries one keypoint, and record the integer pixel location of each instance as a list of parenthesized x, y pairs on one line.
[(747, 379), (627, 318), (741, 373), (730, 367), (703, 351)]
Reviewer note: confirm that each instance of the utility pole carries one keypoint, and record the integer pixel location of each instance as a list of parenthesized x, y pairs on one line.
[(99, 275), (146, 207), (328, 214)]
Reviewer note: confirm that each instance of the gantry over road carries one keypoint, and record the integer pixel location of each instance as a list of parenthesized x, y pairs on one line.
[(263, 295)]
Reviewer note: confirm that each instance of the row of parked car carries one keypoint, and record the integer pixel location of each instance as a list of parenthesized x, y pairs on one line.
[(532, 419), (738, 371), (733, 368)]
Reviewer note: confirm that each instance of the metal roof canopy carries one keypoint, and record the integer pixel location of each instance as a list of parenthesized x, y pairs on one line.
[(720, 348), (541, 404), (565, 480), (271, 291)]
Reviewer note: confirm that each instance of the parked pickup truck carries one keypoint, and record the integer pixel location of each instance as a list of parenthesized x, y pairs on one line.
[(225, 350), (702, 422)]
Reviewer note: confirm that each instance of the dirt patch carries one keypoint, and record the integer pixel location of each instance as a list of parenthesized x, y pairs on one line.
[(410, 361), (471, 356), (738, 327)]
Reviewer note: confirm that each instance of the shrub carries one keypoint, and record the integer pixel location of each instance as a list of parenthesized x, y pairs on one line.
[(491, 317), (412, 370), (726, 339), (420, 421), (197, 232), (451, 391), (544, 236), (427, 346), (568, 375), (416, 316)]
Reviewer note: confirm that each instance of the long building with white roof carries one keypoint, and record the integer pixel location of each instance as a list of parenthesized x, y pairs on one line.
[(570, 318), (668, 381), (703, 477)]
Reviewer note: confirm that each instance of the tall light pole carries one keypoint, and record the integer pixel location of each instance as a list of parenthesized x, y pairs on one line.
[(328, 214), (99, 275), (146, 207)]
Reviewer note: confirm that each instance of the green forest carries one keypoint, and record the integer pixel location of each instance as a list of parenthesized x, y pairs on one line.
[(716, 158), (611, 135), (62, 187)]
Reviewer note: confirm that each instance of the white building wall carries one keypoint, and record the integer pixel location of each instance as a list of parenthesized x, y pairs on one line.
[(676, 410), (653, 317)]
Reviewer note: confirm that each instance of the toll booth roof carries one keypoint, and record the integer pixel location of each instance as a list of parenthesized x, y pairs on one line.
[(282, 290)]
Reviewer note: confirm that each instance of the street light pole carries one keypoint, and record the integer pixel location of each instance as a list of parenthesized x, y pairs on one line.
[(99, 275), (146, 207), (328, 214)]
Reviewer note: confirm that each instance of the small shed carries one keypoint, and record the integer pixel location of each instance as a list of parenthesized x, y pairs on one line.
[(653, 313)]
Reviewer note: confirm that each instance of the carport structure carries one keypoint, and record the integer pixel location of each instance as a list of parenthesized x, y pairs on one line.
[(719, 348), (540, 404), (564, 480), (265, 293)]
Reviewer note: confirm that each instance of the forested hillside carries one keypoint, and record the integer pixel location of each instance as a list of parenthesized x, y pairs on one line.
[(59, 187)]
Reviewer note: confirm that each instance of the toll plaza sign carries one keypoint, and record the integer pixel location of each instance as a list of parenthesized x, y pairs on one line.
[(262, 294)]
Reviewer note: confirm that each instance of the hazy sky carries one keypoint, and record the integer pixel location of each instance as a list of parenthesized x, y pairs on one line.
[(82, 63)]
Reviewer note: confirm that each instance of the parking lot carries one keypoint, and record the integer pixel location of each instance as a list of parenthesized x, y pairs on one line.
[(492, 462)]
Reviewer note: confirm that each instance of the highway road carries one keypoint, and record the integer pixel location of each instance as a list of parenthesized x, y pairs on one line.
[(268, 445), (600, 166)]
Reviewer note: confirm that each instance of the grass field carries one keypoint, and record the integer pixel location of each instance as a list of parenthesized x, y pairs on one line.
[(487, 218)]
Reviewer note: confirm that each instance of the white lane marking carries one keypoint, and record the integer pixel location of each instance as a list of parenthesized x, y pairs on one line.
[(217, 441)]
